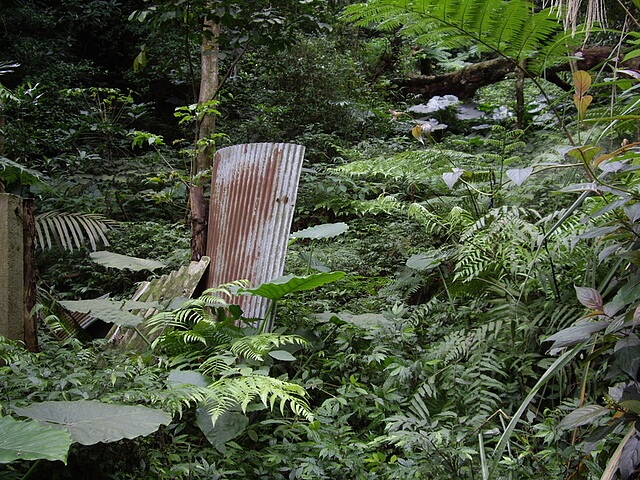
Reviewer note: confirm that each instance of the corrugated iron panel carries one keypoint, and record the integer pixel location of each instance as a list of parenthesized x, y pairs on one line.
[(253, 195)]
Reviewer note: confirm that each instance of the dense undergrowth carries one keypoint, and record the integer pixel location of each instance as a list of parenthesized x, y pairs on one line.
[(486, 324)]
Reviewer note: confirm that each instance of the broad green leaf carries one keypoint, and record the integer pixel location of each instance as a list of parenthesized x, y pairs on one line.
[(519, 175), (282, 355), (228, 426), (278, 288), (589, 297), (631, 405), (115, 260), (91, 422), (110, 311), (575, 334), (423, 262), (363, 320), (326, 230), (27, 440), (584, 153), (583, 416), (627, 359), (181, 377)]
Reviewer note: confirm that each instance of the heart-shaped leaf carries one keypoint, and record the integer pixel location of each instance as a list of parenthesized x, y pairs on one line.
[(28, 440), (91, 422), (519, 175), (451, 178), (581, 82)]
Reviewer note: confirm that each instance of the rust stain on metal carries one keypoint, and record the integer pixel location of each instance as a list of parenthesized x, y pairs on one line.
[(253, 194)]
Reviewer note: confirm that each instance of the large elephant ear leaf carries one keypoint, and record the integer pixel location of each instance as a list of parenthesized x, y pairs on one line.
[(326, 230), (281, 286), (122, 262), (26, 440), (91, 422)]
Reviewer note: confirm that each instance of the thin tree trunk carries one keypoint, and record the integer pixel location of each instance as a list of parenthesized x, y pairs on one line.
[(30, 273), (209, 79), (520, 106)]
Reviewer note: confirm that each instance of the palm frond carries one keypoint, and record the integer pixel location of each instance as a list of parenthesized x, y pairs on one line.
[(69, 230)]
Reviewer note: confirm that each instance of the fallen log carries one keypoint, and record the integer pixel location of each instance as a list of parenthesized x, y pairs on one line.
[(464, 83)]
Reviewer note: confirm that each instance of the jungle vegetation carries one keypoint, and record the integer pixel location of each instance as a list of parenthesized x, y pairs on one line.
[(463, 292)]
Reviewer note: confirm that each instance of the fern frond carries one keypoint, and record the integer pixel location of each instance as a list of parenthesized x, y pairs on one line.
[(230, 392), (502, 242), (255, 347), (68, 230), (421, 166), (217, 364), (383, 204), (510, 28), (212, 296), (433, 223)]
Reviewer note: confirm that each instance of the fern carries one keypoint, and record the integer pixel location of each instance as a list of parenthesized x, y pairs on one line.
[(500, 244), (255, 347), (422, 167), (228, 392), (210, 341), (510, 28)]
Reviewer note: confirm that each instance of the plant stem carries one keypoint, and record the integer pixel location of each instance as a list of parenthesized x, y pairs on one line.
[(32, 470)]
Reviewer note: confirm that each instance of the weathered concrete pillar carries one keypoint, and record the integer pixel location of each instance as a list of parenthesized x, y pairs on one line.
[(11, 267)]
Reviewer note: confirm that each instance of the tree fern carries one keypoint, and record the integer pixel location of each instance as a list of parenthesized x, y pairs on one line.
[(511, 28)]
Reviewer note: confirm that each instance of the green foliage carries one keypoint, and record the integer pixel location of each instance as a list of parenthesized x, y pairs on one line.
[(511, 28), (202, 335), (313, 94), (32, 441), (69, 230)]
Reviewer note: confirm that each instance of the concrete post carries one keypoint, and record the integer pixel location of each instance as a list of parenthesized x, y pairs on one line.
[(11, 267)]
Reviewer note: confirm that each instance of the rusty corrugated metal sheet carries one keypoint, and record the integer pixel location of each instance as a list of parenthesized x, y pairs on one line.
[(253, 195)]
